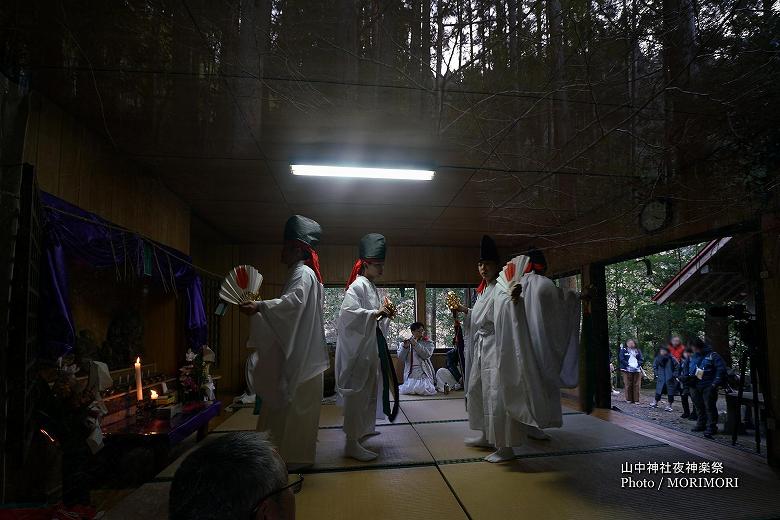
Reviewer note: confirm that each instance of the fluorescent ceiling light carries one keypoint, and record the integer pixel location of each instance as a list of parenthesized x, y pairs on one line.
[(314, 170)]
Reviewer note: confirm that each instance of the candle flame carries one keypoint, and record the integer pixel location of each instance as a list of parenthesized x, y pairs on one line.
[(154, 394), (138, 360)]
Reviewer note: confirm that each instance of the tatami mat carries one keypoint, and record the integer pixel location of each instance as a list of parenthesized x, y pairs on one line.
[(434, 410), (332, 416), (241, 420), (391, 494), (579, 432), (148, 501), (589, 487), (398, 445)]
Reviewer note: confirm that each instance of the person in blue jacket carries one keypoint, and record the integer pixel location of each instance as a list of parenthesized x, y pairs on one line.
[(707, 372)]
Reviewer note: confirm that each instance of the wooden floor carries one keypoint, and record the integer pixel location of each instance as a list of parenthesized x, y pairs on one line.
[(425, 470)]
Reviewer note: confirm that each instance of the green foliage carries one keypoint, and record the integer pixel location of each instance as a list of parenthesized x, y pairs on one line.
[(439, 318), (632, 313), (402, 297)]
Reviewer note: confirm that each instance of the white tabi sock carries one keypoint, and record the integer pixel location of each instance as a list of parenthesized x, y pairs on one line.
[(501, 455), (354, 450)]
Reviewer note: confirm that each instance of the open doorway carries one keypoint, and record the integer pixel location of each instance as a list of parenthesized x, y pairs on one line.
[(655, 302)]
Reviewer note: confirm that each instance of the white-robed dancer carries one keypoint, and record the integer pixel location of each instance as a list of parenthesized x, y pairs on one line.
[(415, 353), (486, 403), (538, 326), (357, 347), (288, 336)]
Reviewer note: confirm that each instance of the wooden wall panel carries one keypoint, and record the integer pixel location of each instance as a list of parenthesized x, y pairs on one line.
[(80, 167)]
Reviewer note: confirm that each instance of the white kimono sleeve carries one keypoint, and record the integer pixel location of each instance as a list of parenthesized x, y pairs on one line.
[(287, 335), (553, 317), (356, 349), (402, 353), (468, 348), (424, 349), (530, 393)]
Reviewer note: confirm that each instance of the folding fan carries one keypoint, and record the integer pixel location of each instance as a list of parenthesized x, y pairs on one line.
[(512, 272), (241, 285)]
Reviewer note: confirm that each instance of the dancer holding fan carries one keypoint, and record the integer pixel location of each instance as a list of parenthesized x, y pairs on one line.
[(288, 336), (484, 399), (537, 327), (361, 350)]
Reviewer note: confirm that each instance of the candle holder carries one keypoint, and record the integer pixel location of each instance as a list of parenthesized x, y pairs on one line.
[(144, 410)]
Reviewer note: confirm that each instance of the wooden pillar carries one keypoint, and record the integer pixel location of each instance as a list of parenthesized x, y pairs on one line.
[(595, 388), (716, 330), (420, 310), (768, 315)]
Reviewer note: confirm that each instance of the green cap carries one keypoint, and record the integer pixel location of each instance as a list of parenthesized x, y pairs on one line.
[(303, 229), (372, 247)]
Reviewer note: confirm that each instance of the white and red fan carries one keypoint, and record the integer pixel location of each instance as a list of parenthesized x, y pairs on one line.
[(512, 272), (241, 285)]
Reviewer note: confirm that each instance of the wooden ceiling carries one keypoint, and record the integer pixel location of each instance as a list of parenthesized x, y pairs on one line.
[(222, 139)]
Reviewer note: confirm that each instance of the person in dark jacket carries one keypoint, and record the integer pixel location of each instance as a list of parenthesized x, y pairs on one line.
[(708, 373), (683, 387), (630, 359), (665, 369)]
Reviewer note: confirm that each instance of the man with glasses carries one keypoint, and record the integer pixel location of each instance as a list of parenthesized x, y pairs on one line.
[(236, 476)]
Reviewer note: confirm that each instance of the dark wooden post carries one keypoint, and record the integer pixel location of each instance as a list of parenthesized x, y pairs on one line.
[(595, 387)]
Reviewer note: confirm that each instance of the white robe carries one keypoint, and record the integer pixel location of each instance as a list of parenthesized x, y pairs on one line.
[(289, 338), (357, 357), (484, 398), (418, 374), (539, 338)]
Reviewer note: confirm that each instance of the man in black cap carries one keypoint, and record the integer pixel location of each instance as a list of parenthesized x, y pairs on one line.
[(486, 410), (288, 336), (361, 348)]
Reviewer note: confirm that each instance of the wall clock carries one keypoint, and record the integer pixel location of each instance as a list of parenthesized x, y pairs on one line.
[(655, 215)]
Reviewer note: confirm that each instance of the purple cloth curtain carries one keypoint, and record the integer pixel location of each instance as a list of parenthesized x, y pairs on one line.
[(71, 232)]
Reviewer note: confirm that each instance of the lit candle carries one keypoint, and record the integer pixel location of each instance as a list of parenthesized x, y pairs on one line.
[(154, 394), (139, 387)]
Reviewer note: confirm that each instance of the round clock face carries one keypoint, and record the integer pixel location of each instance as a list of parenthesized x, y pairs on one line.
[(654, 215)]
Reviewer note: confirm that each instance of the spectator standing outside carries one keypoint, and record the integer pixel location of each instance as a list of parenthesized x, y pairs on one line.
[(682, 385), (631, 368), (708, 374), (676, 348), (665, 370)]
